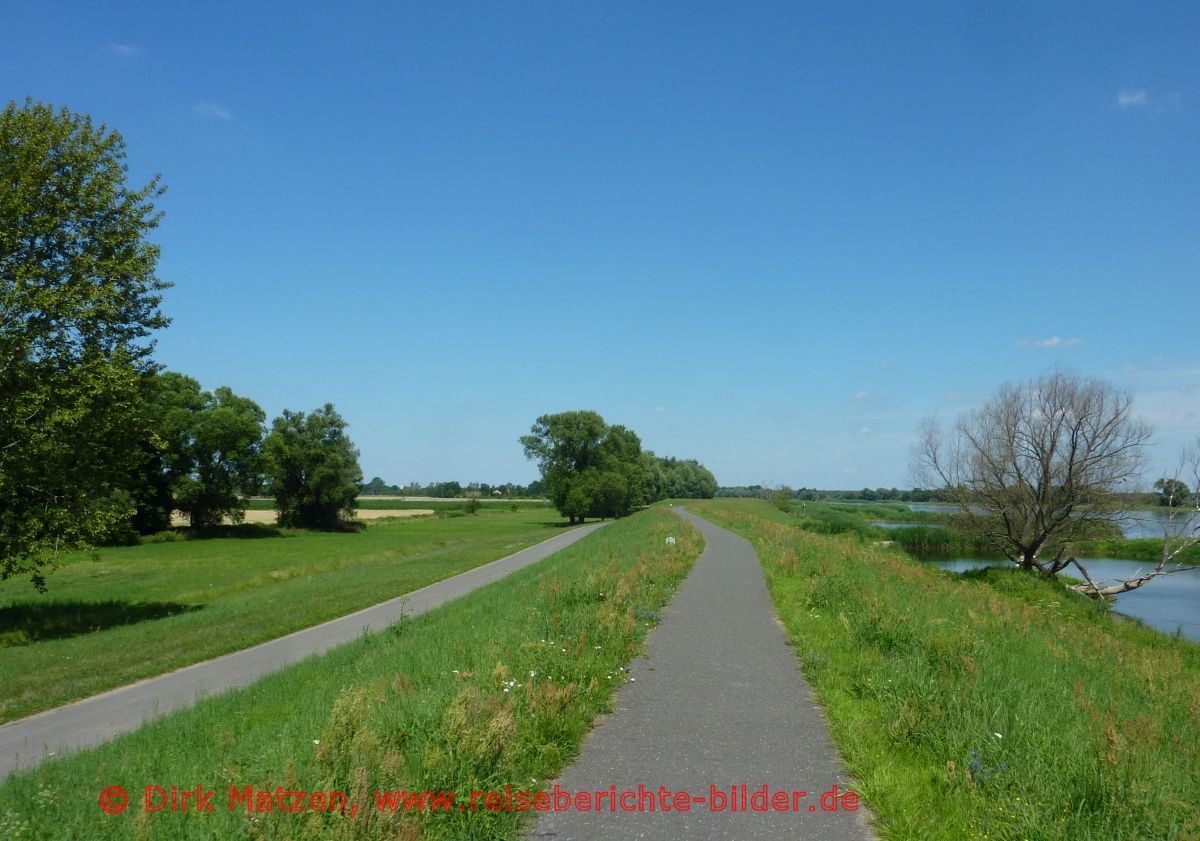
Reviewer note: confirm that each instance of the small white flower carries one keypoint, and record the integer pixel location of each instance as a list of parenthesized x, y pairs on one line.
[(533, 674), (998, 735), (316, 741)]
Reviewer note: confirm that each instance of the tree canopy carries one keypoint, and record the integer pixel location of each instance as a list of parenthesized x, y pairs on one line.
[(79, 298), (210, 445), (312, 468), (1172, 492), (592, 469)]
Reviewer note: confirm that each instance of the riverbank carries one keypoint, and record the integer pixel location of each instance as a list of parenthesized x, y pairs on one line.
[(986, 705)]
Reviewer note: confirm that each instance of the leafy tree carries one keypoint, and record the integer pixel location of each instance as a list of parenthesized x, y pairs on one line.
[(212, 444), (688, 479), (626, 482), (591, 469), (564, 446), (654, 477), (446, 490), (78, 299), (1172, 493), (375, 487), (313, 469)]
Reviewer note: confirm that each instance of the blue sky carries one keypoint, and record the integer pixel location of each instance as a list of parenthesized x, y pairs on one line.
[(771, 237)]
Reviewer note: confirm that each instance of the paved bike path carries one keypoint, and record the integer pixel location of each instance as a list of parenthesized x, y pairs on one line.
[(26, 742), (718, 701)]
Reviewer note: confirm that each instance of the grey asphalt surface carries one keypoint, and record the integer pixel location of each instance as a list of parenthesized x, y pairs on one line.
[(26, 742), (719, 700)]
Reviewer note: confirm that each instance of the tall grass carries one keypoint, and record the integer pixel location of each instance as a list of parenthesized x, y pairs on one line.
[(495, 689), (986, 706)]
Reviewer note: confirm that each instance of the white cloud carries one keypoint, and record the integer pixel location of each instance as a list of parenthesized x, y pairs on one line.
[(658, 410), (861, 395), (1053, 341), (1132, 98), (125, 50), (866, 430), (213, 110)]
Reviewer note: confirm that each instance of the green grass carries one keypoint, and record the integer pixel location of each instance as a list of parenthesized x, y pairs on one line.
[(422, 706), (894, 512), (138, 611), (847, 518), (1144, 549), (991, 705)]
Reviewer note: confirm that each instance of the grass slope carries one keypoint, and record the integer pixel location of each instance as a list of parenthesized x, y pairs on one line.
[(984, 706), (495, 689), (139, 611)]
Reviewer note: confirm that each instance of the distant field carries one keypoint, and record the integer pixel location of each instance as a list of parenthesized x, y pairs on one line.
[(396, 503), (143, 610), (268, 516)]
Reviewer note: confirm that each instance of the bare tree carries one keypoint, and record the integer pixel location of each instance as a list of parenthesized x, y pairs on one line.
[(1038, 466), (1180, 533)]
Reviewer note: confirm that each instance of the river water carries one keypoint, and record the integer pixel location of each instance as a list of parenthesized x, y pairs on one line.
[(1171, 603)]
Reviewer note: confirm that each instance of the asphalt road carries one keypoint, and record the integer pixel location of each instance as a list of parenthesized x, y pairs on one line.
[(26, 742), (719, 701)]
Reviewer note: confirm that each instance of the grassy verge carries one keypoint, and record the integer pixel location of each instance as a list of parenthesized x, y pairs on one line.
[(496, 689), (139, 611), (986, 706)]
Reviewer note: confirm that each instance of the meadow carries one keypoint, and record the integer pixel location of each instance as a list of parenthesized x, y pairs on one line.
[(131, 612), (495, 689), (987, 705)]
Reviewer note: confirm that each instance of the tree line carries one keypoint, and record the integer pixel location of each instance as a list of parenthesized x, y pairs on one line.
[(454, 490), (203, 453), (592, 469), (96, 441), (815, 495)]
